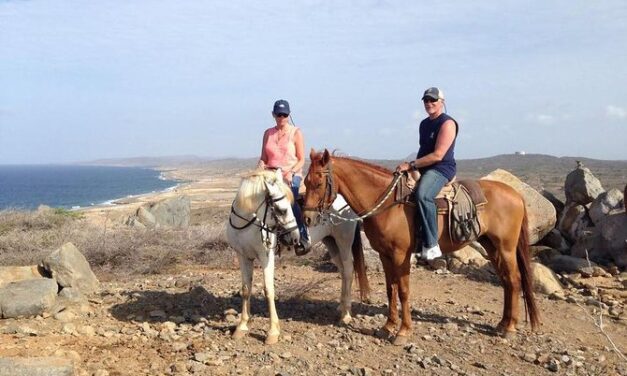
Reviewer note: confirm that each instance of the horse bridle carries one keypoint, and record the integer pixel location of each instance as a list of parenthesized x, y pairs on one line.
[(278, 229), (330, 193)]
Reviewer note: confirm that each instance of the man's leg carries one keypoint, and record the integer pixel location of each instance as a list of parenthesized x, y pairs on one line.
[(429, 185)]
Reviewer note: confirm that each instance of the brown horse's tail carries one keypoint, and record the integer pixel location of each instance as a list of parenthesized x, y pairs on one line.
[(359, 264), (524, 266)]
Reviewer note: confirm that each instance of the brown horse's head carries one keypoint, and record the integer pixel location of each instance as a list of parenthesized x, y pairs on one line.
[(321, 191)]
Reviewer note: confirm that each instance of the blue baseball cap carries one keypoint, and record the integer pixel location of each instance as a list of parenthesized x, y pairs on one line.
[(281, 107)]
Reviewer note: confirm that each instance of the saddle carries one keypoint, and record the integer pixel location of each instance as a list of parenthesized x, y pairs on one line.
[(460, 201)]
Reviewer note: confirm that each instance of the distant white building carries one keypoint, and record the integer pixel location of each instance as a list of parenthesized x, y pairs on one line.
[(521, 152)]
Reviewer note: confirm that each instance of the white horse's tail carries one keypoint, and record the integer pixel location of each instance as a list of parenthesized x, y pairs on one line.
[(359, 265)]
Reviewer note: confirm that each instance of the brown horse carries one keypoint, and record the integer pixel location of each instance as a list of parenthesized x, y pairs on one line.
[(390, 231)]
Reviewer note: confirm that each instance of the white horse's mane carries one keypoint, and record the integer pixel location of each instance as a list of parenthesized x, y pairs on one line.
[(252, 189)]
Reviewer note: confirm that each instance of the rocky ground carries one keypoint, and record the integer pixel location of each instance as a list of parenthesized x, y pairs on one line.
[(180, 324)]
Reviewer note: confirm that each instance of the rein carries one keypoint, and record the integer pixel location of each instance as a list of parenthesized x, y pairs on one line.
[(330, 188), (261, 223)]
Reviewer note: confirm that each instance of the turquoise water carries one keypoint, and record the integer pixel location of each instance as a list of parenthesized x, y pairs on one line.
[(27, 187)]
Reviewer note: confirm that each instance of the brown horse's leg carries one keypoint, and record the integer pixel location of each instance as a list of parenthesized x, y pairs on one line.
[(391, 285), (403, 294), (503, 257)]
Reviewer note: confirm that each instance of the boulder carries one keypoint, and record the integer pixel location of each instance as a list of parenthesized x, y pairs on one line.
[(145, 217), (10, 274), (69, 268), (541, 213), (606, 203), (557, 203), (27, 298), (568, 264), (611, 237), (172, 212), (574, 221), (543, 253), (44, 366), (582, 186), (544, 279), (468, 255), (555, 240)]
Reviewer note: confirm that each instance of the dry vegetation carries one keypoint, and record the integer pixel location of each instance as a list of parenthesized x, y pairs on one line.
[(27, 237)]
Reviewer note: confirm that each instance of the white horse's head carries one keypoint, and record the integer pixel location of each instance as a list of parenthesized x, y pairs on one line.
[(262, 191)]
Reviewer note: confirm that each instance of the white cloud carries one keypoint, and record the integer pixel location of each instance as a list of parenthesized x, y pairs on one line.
[(545, 119), (615, 112)]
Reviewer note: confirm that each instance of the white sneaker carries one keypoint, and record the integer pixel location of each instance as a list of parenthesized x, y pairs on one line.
[(431, 253)]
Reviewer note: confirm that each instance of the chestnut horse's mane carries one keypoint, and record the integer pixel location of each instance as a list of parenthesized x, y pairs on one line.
[(373, 166)]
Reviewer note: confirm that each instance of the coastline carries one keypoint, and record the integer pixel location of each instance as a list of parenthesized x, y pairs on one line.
[(207, 186)]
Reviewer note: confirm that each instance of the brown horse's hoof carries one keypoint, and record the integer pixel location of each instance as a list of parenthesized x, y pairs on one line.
[(400, 341), (509, 334), (382, 333)]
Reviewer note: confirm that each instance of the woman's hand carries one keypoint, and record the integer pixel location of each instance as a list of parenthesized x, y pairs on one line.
[(403, 167), (287, 176)]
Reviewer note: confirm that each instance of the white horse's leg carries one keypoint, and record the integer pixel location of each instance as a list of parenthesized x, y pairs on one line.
[(344, 263), (246, 267), (267, 263)]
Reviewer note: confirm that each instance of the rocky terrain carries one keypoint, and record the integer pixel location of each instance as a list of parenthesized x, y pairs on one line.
[(178, 321)]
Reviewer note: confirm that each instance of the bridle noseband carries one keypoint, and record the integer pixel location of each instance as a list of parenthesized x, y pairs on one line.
[(330, 192), (278, 228)]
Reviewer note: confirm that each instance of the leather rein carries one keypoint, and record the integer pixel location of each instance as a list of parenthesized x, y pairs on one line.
[(330, 194), (269, 201)]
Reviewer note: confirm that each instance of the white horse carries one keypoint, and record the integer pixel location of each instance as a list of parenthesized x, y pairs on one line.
[(256, 238)]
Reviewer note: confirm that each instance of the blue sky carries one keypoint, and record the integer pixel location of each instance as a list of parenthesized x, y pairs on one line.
[(81, 80)]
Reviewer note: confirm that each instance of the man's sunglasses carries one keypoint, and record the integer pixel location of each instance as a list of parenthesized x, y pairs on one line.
[(281, 115), (429, 100)]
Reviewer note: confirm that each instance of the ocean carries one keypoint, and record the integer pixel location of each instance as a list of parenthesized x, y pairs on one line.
[(64, 186)]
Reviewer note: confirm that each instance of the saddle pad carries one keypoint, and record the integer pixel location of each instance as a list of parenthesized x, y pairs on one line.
[(473, 188)]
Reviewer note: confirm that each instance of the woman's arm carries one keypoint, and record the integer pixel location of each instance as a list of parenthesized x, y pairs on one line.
[(300, 150), (263, 159)]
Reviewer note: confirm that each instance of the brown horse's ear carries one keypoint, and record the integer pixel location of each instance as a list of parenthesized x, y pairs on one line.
[(312, 153), (326, 157)]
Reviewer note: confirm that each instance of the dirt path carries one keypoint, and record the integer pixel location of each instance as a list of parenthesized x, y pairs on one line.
[(180, 324)]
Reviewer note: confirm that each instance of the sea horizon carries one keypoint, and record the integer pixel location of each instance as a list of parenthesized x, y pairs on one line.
[(72, 186)]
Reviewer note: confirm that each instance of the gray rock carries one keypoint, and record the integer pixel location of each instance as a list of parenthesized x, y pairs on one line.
[(612, 238), (541, 213), (574, 221), (172, 212), (70, 269), (555, 240), (46, 366), (605, 203), (544, 279), (10, 274), (27, 298), (582, 186), (568, 264), (145, 217)]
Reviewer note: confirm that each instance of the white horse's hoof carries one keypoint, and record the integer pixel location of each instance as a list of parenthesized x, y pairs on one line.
[(239, 333), (271, 339), (345, 320)]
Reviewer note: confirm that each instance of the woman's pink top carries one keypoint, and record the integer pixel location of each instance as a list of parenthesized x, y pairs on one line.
[(280, 149)]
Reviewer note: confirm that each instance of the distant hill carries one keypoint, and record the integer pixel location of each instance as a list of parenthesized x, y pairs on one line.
[(538, 170), (176, 160)]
